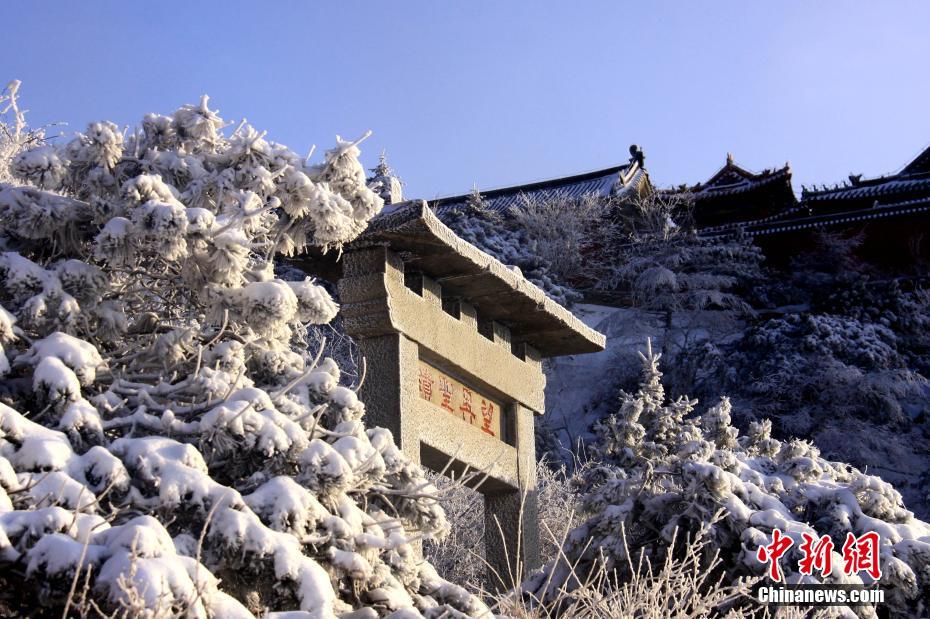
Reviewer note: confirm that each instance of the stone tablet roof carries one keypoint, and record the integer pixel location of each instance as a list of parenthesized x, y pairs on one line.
[(498, 293)]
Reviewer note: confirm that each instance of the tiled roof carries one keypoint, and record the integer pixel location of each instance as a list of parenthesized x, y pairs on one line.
[(610, 181), (744, 185), (768, 227), (870, 189), (913, 178), (791, 213), (732, 179)]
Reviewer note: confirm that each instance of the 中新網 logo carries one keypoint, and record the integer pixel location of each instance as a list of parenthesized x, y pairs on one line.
[(860, 554)]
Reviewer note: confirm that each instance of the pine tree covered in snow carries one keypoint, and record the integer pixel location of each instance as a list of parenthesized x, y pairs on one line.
[(168, 443), (661, 469), (385, 182)]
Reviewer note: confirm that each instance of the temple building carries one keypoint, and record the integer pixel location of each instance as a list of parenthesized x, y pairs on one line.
[(910, 184), (734, 194), (892, 212)]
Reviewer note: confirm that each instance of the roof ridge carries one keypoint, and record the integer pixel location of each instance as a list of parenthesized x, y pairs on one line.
[(534, 185)]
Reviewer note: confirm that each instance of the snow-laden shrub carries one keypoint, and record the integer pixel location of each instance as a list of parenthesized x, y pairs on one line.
[(168, 443), (661, 469), (831, 366), (655, 260), (563, 231), (682, 271), (517, 239)]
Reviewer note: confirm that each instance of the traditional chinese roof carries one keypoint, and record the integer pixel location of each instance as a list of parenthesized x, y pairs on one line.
[(803, 219), (734, 194), (911, 183), (616, 180), (428, 246)]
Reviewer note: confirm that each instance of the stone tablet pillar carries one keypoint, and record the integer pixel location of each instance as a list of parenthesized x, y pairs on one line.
[(453, 342)]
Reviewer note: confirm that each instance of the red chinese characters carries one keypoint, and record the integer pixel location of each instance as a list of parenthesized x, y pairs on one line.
[(860, 554), (446, 389), (487, 416), (773, 552), (465, 408), (426, 383), (448, 394), (817, 554)]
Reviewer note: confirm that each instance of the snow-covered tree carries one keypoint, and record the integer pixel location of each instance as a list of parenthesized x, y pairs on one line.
[(168, 443), (514, 239), (665, 266), (384, 180), (15, 134), (661, 469), (830, 365), (564, 232), (837, 355)]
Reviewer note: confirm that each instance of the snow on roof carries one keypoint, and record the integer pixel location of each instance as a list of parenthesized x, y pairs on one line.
[(889, 186), (914, 177), (599, 182), (777, 226)]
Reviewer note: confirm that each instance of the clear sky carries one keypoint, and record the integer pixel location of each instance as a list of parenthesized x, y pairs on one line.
[(493, 93)]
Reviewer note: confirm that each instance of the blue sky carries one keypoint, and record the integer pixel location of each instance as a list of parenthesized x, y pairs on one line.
[(496, 93)]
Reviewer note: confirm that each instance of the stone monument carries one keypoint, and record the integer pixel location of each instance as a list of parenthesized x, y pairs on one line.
[(453, 341)]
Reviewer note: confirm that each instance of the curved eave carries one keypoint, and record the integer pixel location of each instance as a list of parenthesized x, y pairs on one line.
[(898, 209), (890, 186)]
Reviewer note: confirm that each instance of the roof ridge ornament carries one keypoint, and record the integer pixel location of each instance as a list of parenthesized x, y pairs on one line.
[(637, 155)]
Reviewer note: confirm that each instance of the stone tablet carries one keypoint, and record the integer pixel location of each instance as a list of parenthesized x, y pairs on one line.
[(453, 341)]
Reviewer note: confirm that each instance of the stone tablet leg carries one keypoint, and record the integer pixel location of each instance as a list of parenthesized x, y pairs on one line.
[(511, 537), (511, 517)]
